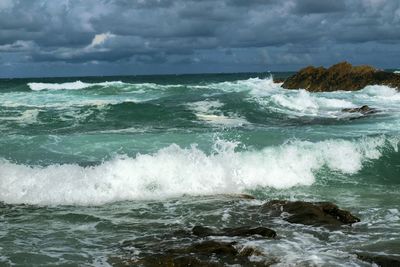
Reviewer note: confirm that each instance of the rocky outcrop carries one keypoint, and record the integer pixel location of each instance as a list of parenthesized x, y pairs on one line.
[(318, 214), (202, 231), (342, 76)]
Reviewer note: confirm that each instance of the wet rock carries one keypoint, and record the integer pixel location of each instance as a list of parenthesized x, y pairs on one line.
[(380, 260), (342, 76), (212, 247), (246, 196), (363, 110), (240, 196), (168, 260), (202, 231), (278, 80), (207, 253), (318, 214), (244, 231)]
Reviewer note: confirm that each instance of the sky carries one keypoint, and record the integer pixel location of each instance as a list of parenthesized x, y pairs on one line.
[(40, 38)]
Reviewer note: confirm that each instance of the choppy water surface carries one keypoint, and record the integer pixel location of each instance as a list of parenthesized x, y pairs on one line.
[(97, 168)]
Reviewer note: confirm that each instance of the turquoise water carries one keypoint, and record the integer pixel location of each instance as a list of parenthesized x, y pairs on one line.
[(89, 165)]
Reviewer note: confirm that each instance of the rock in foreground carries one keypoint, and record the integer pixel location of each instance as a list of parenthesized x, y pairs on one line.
[(318, 214), (342, 76), (202, 231), (380, 260), (206, 253)]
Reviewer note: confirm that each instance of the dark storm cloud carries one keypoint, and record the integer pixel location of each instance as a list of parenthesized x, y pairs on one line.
[(260, 32), (318, 6)]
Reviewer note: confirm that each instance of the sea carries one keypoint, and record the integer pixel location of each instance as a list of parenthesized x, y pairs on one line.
[(94, 170)]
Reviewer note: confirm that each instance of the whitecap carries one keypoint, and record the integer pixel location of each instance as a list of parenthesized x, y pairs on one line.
[(174, 171), (77, 85)]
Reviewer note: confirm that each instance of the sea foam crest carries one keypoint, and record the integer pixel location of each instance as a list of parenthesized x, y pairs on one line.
[(271, 95), (77, 85), (173, 171)]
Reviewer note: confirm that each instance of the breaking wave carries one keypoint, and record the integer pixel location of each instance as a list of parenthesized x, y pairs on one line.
[(173, 171), (69, 85)]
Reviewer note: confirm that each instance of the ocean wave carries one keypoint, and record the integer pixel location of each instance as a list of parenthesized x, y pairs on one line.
[(78, 85), (256, 86), (209, 111), (69, 85), (304, 103), (272, 96), (173, 171), (264, 92)]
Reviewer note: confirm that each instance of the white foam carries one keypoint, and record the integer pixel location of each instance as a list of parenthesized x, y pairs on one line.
[(305, 103), (70, 85), (299, 102), (256, 86), (29, 116), (173, 171), (227, 121), (396, 71), (205, 106)]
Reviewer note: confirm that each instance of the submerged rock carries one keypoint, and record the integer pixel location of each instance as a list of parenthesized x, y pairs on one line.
[(202, 231), (342, 76), (318, 214), (363, 110)]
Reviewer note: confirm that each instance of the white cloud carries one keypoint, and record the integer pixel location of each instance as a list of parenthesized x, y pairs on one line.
[(100, 39)]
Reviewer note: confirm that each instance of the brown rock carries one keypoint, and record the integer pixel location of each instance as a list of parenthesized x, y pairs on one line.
[(213, 247), (278, 80), (318, 214), (342, 76)]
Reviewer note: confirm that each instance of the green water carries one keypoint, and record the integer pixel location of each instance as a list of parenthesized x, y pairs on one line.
[(94, 168)]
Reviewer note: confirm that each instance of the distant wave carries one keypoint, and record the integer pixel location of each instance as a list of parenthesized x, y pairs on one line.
[(173, 171), (265, 92), (396, 71), (69, 85)]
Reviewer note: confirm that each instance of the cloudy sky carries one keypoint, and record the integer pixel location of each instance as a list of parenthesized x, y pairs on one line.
[(110, 37)]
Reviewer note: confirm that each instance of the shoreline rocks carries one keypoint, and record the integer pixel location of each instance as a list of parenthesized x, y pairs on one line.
[(215, 246), (342, 76)]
